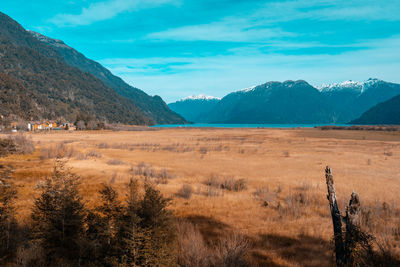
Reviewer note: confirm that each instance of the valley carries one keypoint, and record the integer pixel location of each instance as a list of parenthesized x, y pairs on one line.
[(278, 200)]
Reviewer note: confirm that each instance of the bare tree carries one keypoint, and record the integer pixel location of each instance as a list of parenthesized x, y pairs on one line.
[(353, 246), (81, 125)]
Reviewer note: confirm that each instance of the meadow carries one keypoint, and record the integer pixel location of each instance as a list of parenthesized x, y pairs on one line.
[(264, 185)]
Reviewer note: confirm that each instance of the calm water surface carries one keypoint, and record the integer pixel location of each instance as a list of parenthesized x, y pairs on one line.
[(210, 125)]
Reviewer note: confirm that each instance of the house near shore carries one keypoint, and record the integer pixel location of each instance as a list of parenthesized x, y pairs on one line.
[(50, 125), (45, 125)]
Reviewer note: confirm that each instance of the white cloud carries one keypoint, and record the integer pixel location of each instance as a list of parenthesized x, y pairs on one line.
[(227, 30), (263, 23), (368, 10), (104, 10)]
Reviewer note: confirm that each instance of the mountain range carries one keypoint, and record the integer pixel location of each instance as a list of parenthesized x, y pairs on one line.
[(43, 78), (194, 108), (293, 102)]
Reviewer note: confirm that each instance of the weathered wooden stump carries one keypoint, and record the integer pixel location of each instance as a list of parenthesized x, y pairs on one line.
[(344, 242), (336, 218)]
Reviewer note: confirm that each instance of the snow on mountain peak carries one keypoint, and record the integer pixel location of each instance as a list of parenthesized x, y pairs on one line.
[(248, 89), (200, 97), (357, 86), (245, 90)]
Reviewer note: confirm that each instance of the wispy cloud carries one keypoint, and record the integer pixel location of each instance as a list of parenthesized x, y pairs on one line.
[(227, 30), (263, 23), (104, 10), (367, 10), (248, 67)]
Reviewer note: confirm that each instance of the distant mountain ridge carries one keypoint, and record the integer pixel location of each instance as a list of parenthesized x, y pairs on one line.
[(153, 107), (272, 102), (387, 112), (295, 102), (355, 86), (350, 100), (194, 108)]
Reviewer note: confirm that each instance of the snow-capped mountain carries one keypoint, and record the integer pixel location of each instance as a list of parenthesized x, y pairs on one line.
[(246, 89), (200, 97), (192, 108), (290, 102), (273, 102), (356, 86), (351, 98)]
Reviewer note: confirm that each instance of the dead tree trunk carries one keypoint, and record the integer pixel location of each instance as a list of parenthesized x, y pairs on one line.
[(336, 219), (353, 234), (353, 212)]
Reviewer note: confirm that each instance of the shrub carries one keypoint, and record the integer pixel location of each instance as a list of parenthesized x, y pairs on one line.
[(23, 144), (7, 146), (61, 150), (115, 162), (18, 144), (388, 153), (94, 154), (232, 251), (192, 250), (185, 191), (229, 183), (159, 177), (265, 196), (233, 184)]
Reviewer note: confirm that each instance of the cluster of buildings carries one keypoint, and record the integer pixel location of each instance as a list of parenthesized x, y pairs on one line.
[(50, 125)]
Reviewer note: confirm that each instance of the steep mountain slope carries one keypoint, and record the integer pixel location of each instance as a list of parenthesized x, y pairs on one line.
[(387, 112), (299, 102), (350, 99), (153, 107), (194, 108), (273, 102), (55, 89), (15, 99)]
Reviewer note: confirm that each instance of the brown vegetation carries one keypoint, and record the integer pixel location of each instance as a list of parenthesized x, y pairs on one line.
[(279, 206)]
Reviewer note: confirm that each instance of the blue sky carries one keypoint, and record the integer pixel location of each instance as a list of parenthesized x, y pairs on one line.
[(176, 48)]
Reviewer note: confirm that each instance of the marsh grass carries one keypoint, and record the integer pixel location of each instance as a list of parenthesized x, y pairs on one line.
[(185, 191), (294, 229), (159, 176), (231, 250)]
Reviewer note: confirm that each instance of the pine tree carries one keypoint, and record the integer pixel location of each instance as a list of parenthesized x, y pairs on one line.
[(133, 241), (58, 216), (157, 220), (7, 216), (103, 226)]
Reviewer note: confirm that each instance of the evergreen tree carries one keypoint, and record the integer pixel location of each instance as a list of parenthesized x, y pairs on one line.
[(103, 226), (7, 220), (157, 220), (134, 242), (58, 215)]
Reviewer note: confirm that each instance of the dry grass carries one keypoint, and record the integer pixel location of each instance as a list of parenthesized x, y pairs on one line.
[(280, 205), (185, 191)]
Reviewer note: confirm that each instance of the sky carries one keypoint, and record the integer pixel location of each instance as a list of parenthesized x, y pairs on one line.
[(176, 48)]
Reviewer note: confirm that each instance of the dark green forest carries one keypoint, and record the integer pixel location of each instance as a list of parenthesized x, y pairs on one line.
[(36, 82)]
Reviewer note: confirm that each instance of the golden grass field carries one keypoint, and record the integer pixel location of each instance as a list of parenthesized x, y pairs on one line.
[(284, 209)]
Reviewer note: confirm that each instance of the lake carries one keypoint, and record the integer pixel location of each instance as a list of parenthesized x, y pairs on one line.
[(211, 125)]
